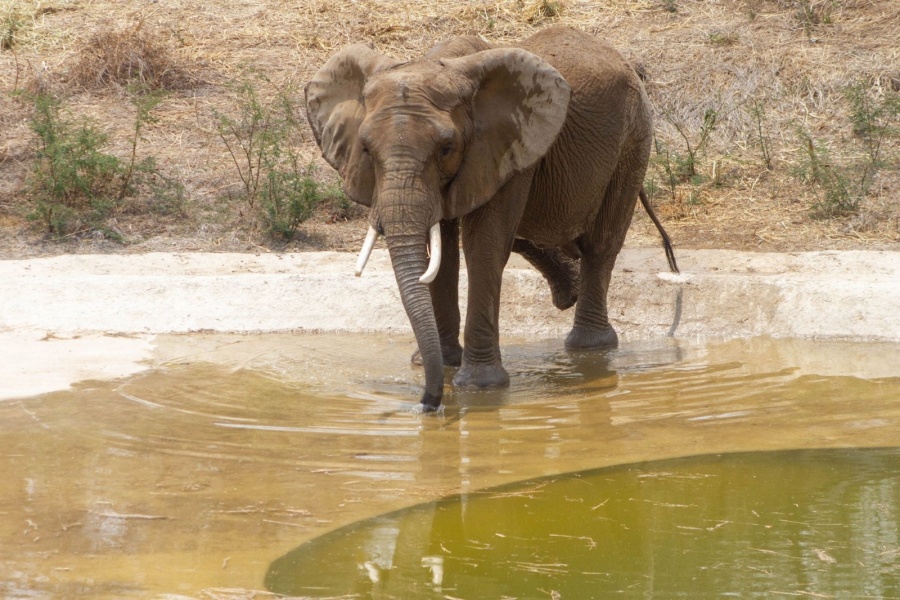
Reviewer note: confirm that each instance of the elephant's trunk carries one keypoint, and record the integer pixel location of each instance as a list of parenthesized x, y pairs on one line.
[(409, 261)]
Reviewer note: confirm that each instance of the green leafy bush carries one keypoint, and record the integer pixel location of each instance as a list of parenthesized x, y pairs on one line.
[(75, 187), (288, 199), (72, 182), (262, 138)]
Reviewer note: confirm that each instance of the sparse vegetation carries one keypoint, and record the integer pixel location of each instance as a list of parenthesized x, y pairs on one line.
[(843, 184), (74, 184), (261, 138), (738, 177)]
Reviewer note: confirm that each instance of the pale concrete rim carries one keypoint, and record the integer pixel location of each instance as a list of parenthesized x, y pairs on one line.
[(71, 318)]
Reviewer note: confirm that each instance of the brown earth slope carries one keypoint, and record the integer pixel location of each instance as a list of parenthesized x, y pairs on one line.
[(787, 154)]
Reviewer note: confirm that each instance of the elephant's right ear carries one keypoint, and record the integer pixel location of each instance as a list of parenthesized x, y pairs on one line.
[(335, 109)]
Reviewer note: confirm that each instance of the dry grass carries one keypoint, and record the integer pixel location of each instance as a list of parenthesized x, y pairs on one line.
[(792, 57), (130, 55)]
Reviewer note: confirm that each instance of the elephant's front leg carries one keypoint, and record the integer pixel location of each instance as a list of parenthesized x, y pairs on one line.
[(445, 297), (487, 236)]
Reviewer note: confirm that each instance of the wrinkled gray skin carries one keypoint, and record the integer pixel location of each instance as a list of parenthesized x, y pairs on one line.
[(540, 148)]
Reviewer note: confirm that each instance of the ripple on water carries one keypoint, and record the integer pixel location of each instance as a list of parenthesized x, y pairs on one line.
[(212, 460)]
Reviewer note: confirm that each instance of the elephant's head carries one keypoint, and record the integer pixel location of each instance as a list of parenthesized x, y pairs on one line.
[(429, 140)]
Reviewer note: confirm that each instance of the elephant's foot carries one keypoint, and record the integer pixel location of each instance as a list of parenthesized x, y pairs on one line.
[(452, 355), (559, 266), (586, 339), (564, 295), (481, 375)]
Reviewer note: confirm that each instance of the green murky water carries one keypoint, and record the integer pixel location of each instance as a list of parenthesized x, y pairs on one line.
[(816, 523), (192, 478)]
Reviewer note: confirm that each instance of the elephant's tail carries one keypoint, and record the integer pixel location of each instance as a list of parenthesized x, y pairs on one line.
[(667, 243)]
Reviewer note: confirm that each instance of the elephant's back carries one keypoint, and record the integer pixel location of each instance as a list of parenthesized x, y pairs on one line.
[(580, 57), (608, 119)]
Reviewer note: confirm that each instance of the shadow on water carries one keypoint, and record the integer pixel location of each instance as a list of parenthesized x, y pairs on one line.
[(189, 479), (820, 523)]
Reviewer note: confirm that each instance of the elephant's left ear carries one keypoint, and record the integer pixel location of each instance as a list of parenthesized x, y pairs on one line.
[(519, 105)]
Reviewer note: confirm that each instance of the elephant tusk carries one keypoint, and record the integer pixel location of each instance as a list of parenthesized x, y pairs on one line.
[(366, 250), (434, 245)]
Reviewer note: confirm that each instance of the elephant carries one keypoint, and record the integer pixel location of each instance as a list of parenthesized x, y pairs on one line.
[(539, 148)]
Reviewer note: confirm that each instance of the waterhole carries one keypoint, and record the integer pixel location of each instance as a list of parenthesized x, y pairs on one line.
[(813, 523), (201, 475)]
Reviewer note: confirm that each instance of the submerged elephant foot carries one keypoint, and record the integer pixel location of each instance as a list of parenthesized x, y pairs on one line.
[(483, 376), (452, 356), (585, 339)]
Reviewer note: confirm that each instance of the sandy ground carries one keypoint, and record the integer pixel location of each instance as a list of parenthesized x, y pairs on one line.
[(71, 318)]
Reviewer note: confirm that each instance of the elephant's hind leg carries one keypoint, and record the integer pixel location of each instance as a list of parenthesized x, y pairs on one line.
[(560, 271), (600, 246), (592, 328)]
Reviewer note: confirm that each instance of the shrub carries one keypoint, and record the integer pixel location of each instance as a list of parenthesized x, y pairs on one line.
[(840, 193), (757, 111), (75, 186), (261, 137), (289, 198), (72, 180), (872, 119), (844, 184)]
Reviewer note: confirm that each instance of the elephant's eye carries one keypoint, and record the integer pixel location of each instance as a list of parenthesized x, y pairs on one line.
[(446, 150)]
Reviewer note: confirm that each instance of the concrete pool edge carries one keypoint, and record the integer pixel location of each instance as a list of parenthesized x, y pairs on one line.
[(75, 317)]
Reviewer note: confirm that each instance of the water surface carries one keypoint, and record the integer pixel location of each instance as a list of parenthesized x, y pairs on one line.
[(813, 523), (190, 479)]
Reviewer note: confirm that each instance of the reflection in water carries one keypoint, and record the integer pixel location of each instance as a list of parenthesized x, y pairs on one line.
[(811, 523), (195, 475)]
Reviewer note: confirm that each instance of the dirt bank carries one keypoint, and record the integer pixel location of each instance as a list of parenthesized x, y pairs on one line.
[(72, 318)]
